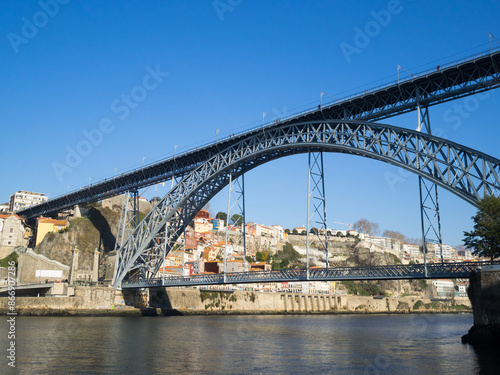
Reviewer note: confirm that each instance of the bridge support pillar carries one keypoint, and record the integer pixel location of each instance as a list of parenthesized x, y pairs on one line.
[(236, 209), (129, 219), (316, 206), (429, 201)]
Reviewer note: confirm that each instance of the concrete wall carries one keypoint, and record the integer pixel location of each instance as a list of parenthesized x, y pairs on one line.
[(30, 261)]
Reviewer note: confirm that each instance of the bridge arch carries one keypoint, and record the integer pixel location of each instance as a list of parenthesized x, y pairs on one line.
[(465, 172)]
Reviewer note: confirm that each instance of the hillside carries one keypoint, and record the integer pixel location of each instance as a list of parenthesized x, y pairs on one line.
[(363, 254), (96, 231)]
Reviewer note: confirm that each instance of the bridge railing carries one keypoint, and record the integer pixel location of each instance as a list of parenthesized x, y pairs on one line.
[(392, 272)]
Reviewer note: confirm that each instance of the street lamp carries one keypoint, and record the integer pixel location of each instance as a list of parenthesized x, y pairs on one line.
[(143, 158), (321, 93), (216, 132)]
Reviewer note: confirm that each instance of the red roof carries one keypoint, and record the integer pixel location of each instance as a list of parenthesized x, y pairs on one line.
[(6, 216)]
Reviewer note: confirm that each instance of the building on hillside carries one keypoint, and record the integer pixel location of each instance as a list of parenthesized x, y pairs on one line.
[(299, 230), (202, 214), (278, 232), (217, 224), (464, 254), (47, 225), (444, 288), (260, 266), (461, 288), (412, 249), (202, 225), (435, 251), (211, 253), (235, 266), (169, 271), (4, 207), (23, 199), (214, 266), (12, 231)]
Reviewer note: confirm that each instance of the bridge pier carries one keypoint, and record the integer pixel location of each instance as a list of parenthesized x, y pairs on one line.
[(484, 293), (429, 202)]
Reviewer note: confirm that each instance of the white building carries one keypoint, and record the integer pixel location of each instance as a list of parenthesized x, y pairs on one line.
[(448, 251), (11, 231), (445, 288), (24, 199), (278, 232), (411, 249)]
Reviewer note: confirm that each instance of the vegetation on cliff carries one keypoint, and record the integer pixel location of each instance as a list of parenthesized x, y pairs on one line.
[(9, 258)]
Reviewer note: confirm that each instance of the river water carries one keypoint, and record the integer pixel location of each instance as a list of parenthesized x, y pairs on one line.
[(327, 344)]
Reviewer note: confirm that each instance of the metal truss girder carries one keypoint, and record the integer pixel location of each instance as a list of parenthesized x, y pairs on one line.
[(396, 272), (191, 193), (316, 202), (477, 74)]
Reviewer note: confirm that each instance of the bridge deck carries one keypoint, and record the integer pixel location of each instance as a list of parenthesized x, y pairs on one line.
[(476, 74), (396, 272)]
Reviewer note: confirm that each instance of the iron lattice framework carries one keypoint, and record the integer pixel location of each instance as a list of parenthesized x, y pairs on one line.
[(465, 172), (397, 272), (316, 206), (457, 80)]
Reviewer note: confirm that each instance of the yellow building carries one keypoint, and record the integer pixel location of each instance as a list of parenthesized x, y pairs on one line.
[(46, 225)]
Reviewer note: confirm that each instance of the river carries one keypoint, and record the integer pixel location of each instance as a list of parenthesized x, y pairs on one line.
[(327, 344)]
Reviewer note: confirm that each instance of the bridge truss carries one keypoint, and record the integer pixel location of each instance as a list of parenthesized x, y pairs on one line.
[(465, 172), (457, 80)]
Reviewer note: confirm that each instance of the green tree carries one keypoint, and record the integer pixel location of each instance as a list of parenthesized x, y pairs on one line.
[(287, 231), (314, 230), (221, 215), (237, 219), (294, 231), (261, 256), (484, 239)]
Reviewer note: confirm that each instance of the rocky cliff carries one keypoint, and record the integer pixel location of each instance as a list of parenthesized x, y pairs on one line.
[(96, 231)]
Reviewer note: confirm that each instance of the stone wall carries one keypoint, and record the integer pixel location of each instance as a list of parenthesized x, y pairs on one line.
[(194, 301), (170, 301), (484, 292), (30, 262), (86, 299)]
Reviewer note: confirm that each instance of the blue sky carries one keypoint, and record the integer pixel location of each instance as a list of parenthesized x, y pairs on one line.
[(69, 66)]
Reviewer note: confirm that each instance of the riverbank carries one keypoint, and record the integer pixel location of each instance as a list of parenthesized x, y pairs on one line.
[(92, 301)]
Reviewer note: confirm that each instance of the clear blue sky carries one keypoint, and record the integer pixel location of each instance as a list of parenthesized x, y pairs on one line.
[(220, 67)]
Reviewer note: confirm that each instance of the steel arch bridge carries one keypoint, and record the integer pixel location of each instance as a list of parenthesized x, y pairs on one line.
[(468, 173)]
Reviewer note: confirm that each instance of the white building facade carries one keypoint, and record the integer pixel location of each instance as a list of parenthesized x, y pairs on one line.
[(24, 199)]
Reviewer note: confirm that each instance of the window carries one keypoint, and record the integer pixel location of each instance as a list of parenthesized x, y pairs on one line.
[(11, 230)]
